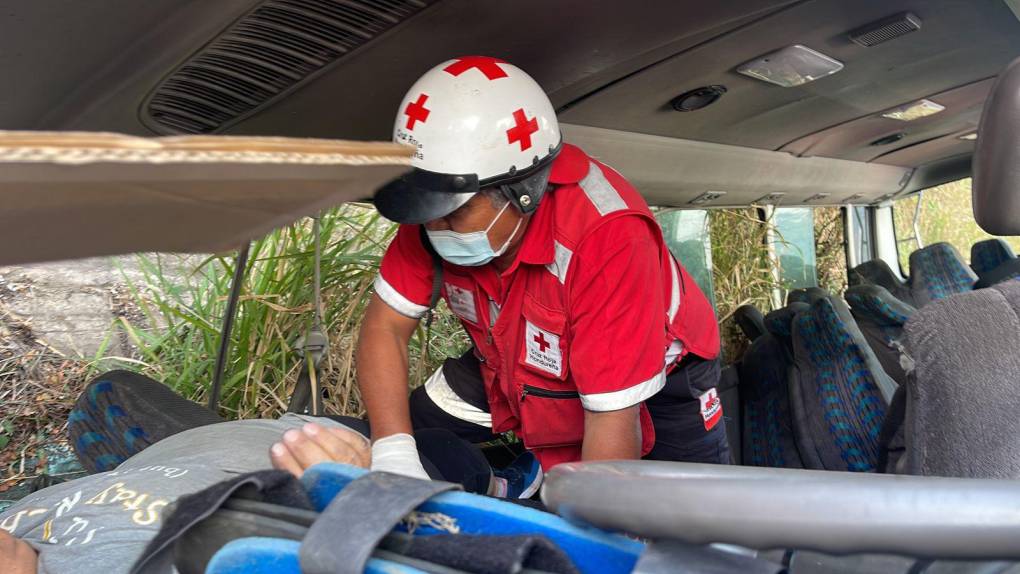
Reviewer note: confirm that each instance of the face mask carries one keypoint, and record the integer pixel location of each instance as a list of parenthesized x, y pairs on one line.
[(469, 249)]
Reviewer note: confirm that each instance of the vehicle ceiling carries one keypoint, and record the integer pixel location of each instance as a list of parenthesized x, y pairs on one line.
[(613, 65)]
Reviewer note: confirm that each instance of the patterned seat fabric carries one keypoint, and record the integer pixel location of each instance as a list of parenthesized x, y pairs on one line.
[(961, 398), (936, 272), (881, 318), (986, 255), (838, 390), (768, 438), (878, 272), (780, 322)]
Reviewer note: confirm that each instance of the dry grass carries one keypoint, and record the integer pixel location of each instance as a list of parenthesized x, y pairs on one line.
[(742, 271), (38, 388)]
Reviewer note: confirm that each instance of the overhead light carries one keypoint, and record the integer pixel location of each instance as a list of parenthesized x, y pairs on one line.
[(972, 136), (791, 66), (913, 111)]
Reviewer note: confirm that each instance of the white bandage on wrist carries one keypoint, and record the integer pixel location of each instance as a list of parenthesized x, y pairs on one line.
[(398, 454)]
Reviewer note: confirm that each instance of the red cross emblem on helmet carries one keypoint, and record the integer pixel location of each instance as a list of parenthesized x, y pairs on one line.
[(489, 66), (416, 111)]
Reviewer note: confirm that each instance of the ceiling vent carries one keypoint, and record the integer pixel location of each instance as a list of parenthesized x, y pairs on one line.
[(267, 53), (882, 31)]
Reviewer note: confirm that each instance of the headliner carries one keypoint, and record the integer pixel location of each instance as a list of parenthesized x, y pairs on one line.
[(604, 63)]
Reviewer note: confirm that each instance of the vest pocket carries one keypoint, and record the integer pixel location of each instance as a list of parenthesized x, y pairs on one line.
[(544, 348), (550, 417)]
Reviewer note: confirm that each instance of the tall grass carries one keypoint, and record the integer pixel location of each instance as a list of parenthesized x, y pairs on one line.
[(742, 271), (183, 313)]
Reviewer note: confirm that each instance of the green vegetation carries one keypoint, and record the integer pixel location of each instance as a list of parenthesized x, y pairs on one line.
[(946, 215), (276, 307), (741, 270)]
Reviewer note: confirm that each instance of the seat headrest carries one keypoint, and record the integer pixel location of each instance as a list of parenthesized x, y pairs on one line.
[(996, 164), (877, 305), (750, 320), (961, 398), (936, 272), (806, 295), (878, 272), (986, 255), (780, 321)]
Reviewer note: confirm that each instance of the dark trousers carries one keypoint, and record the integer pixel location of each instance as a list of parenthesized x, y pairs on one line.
[(680, 433)]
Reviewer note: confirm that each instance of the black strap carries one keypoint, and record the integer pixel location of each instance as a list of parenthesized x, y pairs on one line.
[(348, 531), (437, 274), (437, 285)]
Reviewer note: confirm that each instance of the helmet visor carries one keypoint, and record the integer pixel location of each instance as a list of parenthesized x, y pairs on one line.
[(420, 196)]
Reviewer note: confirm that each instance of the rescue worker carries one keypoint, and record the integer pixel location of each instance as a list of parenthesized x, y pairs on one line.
[(590, 340)]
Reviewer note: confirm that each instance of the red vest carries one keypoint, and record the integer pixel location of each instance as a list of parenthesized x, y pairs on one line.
[(529, 385)]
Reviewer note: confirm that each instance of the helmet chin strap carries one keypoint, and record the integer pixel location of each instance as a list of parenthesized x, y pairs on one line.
[(526, 193)]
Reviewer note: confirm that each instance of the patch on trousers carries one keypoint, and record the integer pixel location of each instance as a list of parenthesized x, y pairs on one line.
[(542, 350), (711, 408), (462, 302)]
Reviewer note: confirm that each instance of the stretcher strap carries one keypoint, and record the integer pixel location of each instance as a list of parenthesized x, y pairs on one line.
[(362, 514)]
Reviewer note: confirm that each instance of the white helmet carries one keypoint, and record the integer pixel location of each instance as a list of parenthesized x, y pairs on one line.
[(477, 122)]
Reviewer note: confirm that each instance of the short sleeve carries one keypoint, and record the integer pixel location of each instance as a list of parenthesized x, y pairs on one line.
[(405, 276), (617, 316)]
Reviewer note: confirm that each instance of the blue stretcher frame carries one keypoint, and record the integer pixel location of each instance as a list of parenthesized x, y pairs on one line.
[(592, 550)]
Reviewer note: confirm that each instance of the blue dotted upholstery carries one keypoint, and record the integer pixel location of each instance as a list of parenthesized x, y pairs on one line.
[(986, 255), (936, 272), (768, 438), (121, 413), (881, 318), (780, 321), (838, 402)]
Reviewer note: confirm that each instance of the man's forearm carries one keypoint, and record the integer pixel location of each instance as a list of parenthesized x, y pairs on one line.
[(383, 381), (614, 435)]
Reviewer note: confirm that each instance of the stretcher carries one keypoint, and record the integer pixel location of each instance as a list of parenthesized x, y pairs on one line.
[(627, 517)]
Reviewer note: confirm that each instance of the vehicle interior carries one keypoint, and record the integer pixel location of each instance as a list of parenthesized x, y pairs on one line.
[(783, 107)]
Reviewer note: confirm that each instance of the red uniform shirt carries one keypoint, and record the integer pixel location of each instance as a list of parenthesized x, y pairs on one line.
[(582, 319)]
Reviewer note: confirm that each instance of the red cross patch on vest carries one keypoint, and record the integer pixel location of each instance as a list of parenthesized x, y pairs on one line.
[(543, 350)]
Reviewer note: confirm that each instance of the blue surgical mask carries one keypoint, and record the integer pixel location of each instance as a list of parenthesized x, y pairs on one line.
[(469, 249)]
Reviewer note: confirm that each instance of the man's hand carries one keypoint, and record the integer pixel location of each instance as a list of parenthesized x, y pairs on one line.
[(612, 435), (16, 556), (302, 449)]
